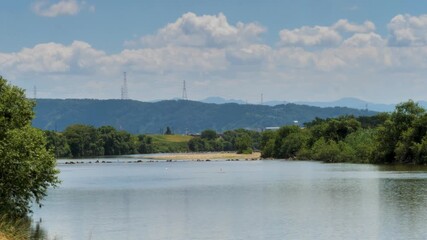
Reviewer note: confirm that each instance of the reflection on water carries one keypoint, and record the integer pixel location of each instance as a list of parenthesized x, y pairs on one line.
[(37, 232), (403, 168), (237, 200)]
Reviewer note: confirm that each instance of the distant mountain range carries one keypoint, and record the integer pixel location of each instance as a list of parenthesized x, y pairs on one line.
[(353, 103), (182, 116), (343, 102), (220, 100)]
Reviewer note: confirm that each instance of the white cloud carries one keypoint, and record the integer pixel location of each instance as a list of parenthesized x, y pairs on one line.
[(365, 40), (345, 25), (325, 36), (310, 36), (191, 30), (169, 59), (80, 57), (407, 30), (255, 55), (62, 7), (51, 58), (209, 51)]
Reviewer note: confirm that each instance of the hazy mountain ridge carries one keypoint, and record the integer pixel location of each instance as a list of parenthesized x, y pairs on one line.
[(353, 103), (220, 100), (181, 116), (349, 102)]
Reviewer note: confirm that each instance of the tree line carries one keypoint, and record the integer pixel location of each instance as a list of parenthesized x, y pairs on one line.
[(240, 140), (397, 137), (80, 140), (87, 141)]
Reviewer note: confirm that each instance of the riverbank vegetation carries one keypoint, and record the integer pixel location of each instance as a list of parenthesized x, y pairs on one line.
[(240, 140), (87, 141), (27, 168), (397, 137), (13, 229)]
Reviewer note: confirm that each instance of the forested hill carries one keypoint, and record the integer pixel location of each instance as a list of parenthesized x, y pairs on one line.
[(181, 116)]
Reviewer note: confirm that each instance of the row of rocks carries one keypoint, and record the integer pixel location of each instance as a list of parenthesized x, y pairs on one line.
[(246, 159), (168, 160)]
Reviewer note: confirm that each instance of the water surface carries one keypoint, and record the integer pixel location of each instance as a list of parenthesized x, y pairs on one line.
[(237, 200)]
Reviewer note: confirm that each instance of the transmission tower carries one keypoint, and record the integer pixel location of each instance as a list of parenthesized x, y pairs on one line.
[(124, 87), (184, 92)]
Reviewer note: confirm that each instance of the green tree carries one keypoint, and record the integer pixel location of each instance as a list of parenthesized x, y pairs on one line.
[(268, 149), (394, 134), (280, 136), (408, 147), (337, 129), (267, 143), (145, 144), (209, 134), (27, 168), (331, 151), (84, 140), (420, 150), (168, 131), (243, 144), (231, 136), (292, 144), (58, 143), (116, 142), (217, 144), (363, 143), (373, 121), (197, 145)]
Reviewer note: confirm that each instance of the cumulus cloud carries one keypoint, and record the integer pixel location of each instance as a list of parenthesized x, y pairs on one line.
[(310, 36), (208, 49), (191, 30), (323, 35), (407, 30), (257, 55), (62, 7), (345, 25), (80, 57), (365, 40), (51, 58), (167, 59)]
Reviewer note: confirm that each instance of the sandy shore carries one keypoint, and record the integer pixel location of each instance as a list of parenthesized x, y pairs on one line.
[(206, 156)]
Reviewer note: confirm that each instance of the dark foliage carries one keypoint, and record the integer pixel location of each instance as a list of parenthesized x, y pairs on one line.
[(399, 137)]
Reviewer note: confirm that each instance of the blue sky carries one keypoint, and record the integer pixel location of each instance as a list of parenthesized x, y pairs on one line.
[(288, 50)]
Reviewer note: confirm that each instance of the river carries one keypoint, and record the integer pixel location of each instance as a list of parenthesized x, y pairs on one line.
[(274, 199)]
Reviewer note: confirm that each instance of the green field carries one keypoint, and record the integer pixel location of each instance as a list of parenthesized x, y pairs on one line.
[(170, 143), (171, 138)]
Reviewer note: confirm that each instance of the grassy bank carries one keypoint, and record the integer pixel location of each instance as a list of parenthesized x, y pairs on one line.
[(170, 143), (14, 229), (21, 229)]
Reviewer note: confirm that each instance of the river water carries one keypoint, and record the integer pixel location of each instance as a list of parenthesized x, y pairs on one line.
[(236, 200)]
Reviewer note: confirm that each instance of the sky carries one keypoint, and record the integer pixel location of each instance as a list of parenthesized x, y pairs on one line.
[(306, 50)]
